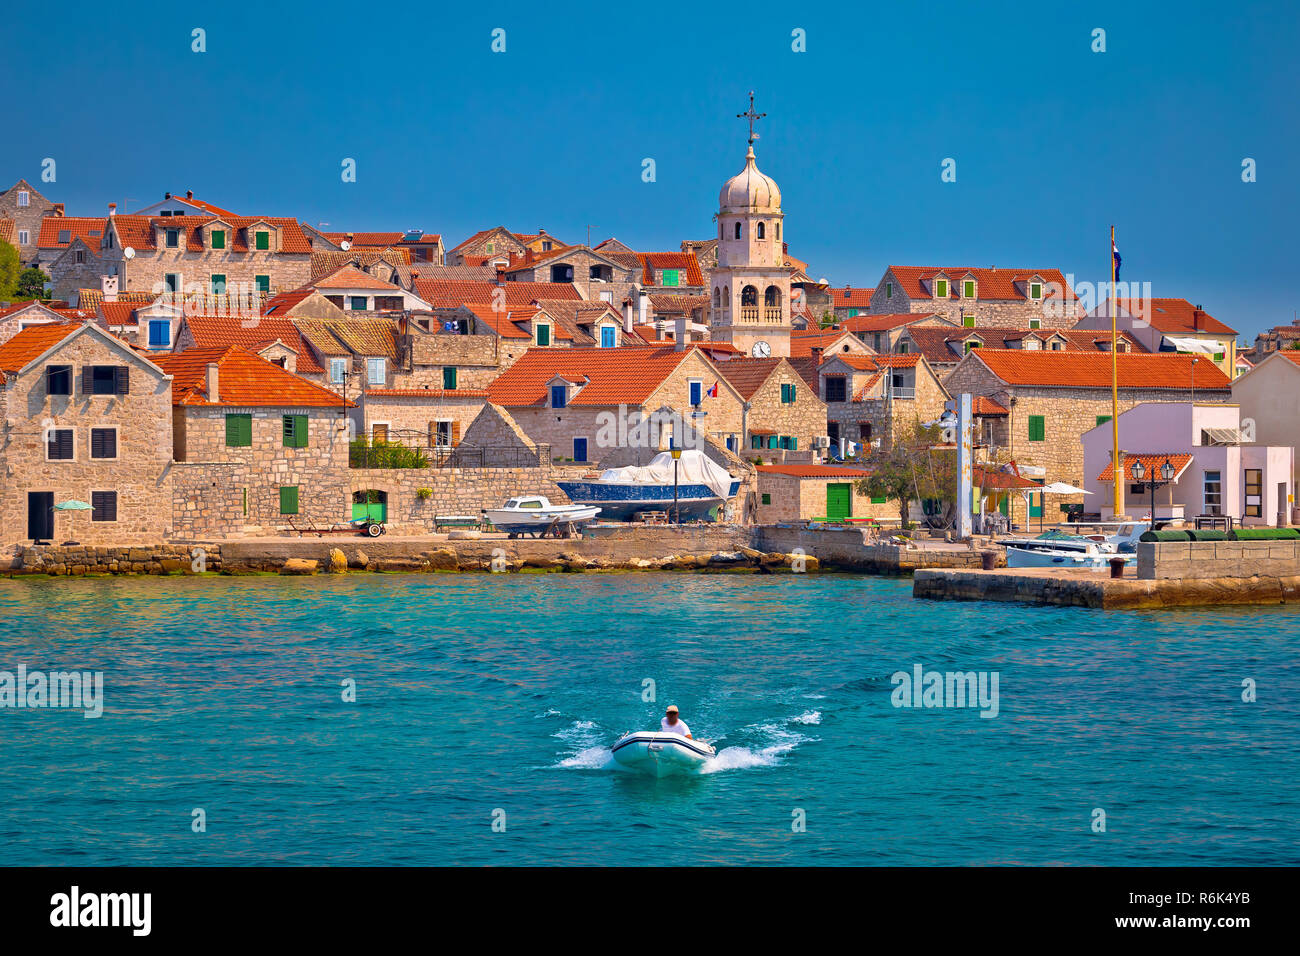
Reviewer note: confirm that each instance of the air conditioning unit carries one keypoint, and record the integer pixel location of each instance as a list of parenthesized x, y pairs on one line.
[(822, 441)]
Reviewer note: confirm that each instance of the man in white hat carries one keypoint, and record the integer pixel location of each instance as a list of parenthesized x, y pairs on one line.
[(671, 724)]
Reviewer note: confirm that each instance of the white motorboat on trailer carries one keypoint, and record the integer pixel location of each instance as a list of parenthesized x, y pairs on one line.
[(661, 754), (536, 515)]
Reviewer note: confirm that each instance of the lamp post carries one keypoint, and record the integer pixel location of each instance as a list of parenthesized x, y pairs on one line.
[(677, 514), (1139, 475)]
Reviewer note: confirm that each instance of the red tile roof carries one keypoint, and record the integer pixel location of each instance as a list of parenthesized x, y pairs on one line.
[(1151, 461), (985, 406), (1093, 369), (803, 343), (505, 323), (1174, 316), (33, 342), (999, 284), (1291, 355), (138, 231), (944, 344), (220, 332), (814, 471), (886, 321), (657, 261), (747, 375), (243, 379), (88, 229), (848, 297), (612, 376), (285, 301), (444, 293), (350, 277), (983, 476)]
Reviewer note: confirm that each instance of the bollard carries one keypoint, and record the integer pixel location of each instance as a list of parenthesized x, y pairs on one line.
[(1116, 567), (988, 560)]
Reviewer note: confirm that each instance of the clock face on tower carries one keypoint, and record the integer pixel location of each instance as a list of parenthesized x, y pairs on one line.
[(760, 350)]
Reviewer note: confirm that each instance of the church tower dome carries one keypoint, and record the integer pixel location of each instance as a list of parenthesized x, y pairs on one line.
[(750, 190)]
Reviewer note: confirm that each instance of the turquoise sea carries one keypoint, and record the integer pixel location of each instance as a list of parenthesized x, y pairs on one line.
[(496, 697)]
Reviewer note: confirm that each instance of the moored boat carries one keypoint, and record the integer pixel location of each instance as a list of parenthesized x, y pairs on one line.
[(661, 754), (622, 493), (535, 514)]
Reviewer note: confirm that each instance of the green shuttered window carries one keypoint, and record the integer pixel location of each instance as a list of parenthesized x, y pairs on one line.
[(239, 431), (295, 431), (1037, 428), (289, 500)]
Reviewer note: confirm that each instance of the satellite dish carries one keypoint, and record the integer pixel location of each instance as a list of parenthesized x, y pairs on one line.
[(450, 327), (128, 253), (345, 245)]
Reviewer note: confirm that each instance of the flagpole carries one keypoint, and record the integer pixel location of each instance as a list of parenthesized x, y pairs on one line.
[(1117, 498)]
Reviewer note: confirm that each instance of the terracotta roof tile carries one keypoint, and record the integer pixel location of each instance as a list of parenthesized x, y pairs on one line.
[(814, 471), (426, 393), (33, 342), (888, 321), (350, 277), (848, 297), (611, 376), (747, 375), (1093, 369), (220, 332), (1174, 316), (990, 284), (442, 293), (54, 228), (243, 379), (1151, 461), (139, 231)]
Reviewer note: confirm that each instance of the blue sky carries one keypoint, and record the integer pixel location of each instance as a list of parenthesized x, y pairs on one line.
[(1052, 141)]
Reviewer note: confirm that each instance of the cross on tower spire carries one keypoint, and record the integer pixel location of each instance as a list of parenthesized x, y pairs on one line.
[(751, 116)]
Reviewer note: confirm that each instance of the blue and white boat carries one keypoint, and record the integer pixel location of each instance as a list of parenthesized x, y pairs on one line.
[(623, 493)]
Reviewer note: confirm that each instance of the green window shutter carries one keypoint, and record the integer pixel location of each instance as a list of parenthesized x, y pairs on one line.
[(449, 377), (767, 499), (543, 335), (1035, 323), (1035, 290), (670, 277), (970, 289), (263, 283), (295, 431), (1218, 356), (853, 313), (289, 500), (878, 501), (772, 442), (755, 441), (968, 321), (1037, 428), (218, 284), (941, 288), (1102, 419), (263, 241), (218, 238), (239, 431)]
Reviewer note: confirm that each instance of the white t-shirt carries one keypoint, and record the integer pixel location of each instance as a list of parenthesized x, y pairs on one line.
[(677, 728)]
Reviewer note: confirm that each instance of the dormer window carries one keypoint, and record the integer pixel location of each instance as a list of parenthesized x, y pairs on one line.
[(968, 289), (24, 198), (941, 288), (262, 241), (218, 238), (972, 344), (608, 337), (546, 245), (173, 239), (559, 396), (542, 332), (1035, 290), (1032, 344)]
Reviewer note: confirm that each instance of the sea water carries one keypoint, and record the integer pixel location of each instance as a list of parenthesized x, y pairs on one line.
[(467, 719)]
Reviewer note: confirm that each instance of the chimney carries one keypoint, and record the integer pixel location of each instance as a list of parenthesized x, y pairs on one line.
[(189, 194), (680, 334), (627, 316), (58, 209), (112, 209), (167, 196), (108, 286), (816, 356), (1196, 319), (213, 394)]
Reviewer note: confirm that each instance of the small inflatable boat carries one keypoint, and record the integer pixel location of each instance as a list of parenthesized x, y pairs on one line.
[(660, 754)]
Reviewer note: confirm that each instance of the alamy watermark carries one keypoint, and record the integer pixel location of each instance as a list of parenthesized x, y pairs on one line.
[(82, 690), (922, 688)]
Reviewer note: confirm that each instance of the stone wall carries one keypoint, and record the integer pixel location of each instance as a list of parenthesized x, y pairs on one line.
[(141, 559), (1163, 560)]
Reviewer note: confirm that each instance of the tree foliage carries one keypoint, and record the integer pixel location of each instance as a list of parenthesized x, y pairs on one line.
[(10, 267), (30, 285), (913, 469)]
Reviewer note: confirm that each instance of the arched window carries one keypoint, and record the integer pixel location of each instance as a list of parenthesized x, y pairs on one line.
[(772, 296), (762, 230), (749, 295), (737, 230), (778, 230), (717, 297)]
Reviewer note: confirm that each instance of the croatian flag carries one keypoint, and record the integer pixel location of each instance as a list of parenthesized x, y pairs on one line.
[(1114, 251), (713, 392)]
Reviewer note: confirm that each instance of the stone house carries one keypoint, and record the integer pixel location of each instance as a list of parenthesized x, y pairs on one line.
[(305, 303), (203, 255), (275, 339), (433, 419), (256, 447), (497, 245), (1169, 325), (598, 405), (449, 293), (874, 399), (23, 315), (978, 297), (352, 290), (847, 302), (419, 245), (58, 233), (25, 205), (86, 418), (802, 492), (1052, 398), (780, 413), (597, 277)]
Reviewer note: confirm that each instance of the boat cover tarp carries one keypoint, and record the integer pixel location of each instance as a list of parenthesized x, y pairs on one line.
[(694, 468)]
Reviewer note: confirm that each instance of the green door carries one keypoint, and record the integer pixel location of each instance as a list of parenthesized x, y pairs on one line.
[(839, 500), (363, 508), (1036, 504)]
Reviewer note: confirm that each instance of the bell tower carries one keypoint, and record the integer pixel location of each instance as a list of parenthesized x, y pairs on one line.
[(750, 288)]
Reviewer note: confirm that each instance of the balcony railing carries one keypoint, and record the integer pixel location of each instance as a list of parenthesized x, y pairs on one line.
[(754, 315)]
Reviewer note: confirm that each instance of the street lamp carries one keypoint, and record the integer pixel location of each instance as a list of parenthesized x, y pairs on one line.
[(1139, 474), (677, 456)]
